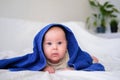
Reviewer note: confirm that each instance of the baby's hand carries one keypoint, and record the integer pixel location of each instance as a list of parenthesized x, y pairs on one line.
[(50, 69), (95, 60)]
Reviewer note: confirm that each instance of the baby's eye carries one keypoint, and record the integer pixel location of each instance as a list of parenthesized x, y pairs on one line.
[(59, 42), (49, 43)]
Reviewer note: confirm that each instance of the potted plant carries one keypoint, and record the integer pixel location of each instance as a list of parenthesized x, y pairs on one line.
[(102, 12), (114, 25)]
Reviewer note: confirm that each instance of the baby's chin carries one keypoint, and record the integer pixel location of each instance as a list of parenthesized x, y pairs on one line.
[(55, 61)]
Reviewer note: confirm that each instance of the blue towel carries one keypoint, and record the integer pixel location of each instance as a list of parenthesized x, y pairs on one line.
[(36, 61)]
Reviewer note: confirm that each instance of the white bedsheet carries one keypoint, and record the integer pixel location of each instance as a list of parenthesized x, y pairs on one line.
[(59, 75), (17, 37)]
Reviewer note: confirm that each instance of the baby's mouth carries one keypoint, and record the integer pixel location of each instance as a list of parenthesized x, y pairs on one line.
[(55, 54)]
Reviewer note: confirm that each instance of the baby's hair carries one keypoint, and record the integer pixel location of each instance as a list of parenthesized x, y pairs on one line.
[(60, 26)]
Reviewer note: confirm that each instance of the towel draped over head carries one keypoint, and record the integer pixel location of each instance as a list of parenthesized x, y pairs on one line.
[(36, 61)]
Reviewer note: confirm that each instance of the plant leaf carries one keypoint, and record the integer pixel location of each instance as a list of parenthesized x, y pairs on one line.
[(109, 6), (93, 3)]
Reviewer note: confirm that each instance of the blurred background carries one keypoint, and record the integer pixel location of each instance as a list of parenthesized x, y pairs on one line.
[(45, 10), (48, 10), (15, 33)]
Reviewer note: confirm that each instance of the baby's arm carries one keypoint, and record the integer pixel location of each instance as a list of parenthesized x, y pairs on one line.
[(50, 69)]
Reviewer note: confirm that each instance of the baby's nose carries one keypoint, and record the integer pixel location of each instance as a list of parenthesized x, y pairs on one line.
[(54, 46)]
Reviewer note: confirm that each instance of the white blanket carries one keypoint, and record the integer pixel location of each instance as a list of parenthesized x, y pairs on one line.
[(17, 38), (59, 75)]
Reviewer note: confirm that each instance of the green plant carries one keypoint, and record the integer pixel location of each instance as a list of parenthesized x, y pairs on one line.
[(114, 25), (102, 12), (113, 22)]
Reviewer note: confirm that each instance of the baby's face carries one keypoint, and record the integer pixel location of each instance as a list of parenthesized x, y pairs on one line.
[(55, 44)]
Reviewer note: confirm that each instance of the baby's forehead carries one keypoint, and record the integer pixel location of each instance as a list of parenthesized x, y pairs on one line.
[(56, 28)]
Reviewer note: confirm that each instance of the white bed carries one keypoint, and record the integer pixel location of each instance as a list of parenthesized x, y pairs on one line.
[(16, 38)]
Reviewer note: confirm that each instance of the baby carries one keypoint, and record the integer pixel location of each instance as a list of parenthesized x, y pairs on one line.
[(55, 48)]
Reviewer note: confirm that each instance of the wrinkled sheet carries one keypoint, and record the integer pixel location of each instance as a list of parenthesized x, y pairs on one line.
[(59, 75), (17, 37)]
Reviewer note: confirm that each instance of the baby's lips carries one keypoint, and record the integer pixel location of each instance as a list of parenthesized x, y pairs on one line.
[(55, 54)]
